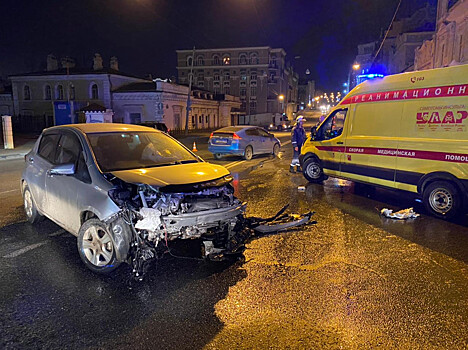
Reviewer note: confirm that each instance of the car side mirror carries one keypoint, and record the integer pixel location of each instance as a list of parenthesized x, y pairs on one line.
[(63, 169), (313, 132)]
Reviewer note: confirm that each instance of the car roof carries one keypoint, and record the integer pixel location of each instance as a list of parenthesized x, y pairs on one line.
[(236, 128), (103, 127)]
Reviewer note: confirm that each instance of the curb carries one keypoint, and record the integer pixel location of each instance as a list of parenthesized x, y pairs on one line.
[(12, 156)]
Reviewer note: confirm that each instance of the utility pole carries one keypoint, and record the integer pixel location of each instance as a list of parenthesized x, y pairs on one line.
[(189, 103)]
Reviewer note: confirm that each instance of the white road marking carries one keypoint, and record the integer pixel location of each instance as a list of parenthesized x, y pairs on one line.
[(57, 233), (231, 165), (285, 143), (24, 250), (9, 191)]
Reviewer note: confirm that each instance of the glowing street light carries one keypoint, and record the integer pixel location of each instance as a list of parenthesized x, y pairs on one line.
[(281, 97)]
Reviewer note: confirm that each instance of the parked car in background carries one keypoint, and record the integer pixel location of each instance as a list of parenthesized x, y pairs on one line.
[(126, 192), (155, 125), (242, 140)]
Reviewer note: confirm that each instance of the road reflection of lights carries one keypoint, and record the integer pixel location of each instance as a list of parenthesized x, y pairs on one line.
[(235, 182)]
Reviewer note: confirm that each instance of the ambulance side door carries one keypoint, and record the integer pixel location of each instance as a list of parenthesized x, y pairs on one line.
[(332, 141)]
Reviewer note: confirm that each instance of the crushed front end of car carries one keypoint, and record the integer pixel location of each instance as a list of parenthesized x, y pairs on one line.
[(152, 218)]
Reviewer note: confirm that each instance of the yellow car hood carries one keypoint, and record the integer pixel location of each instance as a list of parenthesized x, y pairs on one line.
[(179, 174)]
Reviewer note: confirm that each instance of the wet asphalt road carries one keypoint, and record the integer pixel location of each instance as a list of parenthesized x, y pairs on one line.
[(352, 281)]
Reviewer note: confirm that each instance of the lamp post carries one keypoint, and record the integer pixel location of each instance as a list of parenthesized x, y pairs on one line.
[(355, 67), (281, 98)]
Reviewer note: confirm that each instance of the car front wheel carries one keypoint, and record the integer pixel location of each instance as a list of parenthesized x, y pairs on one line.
[(96, 247), (442, 199), (312, 170), (217, 156), (30, 208)]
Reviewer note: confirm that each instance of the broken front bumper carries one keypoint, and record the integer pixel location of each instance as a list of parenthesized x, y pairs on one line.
[(205, 217)]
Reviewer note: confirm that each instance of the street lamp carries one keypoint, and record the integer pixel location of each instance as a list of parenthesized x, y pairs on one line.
[(355, 66), (281, 98)]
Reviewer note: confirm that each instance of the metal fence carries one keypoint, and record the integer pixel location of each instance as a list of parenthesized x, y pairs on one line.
[(31, 124)]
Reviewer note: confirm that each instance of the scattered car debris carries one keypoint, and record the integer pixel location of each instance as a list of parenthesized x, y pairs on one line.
[(301, 188), (401, 215)]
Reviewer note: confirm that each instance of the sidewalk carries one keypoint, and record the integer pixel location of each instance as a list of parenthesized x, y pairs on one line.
[(23, 144)]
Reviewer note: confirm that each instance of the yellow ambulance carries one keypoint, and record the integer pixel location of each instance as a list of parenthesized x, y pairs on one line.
[(407, 131)]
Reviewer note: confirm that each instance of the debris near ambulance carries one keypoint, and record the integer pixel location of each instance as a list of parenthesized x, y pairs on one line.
[(401, 215), (153, 219)]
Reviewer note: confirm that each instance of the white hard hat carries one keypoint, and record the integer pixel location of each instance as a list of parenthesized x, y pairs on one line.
[(300, 119)]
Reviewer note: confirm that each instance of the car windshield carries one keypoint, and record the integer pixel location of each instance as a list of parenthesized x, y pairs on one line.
[(133, 150)]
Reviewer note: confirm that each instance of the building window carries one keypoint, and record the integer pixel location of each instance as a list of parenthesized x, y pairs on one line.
[(135, 118), (189, 61), (227, 83), (242, 58), (59, 92), (253, 107), (216, 90), (71, 92), (253, 75), (216, 77), (207, 119), (243, 91), (243, 75), (201, 83), (273, 62), (26, 93), (227, 90), (200, 119), (254, 58), (226, 60), (200, 61), (253, 91), (94, 92), (47, 93), (193, 120), (216, 61), (227, 75)]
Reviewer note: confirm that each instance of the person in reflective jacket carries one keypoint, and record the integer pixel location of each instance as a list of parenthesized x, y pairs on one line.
[(298, 136)]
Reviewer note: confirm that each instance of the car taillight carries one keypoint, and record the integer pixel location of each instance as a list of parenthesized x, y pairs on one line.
[(211, 135), (236, 137)]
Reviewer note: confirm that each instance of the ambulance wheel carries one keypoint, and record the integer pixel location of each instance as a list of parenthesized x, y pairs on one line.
[(312, 170), (442, 199)]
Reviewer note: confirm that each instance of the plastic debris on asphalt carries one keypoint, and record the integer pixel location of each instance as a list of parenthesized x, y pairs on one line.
[(301, 189), (401, 215)]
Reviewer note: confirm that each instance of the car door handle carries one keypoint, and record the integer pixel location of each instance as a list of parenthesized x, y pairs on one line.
[(339, 143)]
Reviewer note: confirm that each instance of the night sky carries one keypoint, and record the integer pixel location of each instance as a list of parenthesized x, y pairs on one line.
[(321, 35)]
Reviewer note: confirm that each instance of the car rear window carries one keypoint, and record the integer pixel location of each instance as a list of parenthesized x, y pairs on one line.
[(223, 134)]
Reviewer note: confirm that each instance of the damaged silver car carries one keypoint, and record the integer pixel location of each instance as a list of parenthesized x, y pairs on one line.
[(128, 191)]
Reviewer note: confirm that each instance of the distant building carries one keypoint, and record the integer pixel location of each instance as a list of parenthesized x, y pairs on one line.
[(140, 102), (40, 97), (449, 44), (397, 54), (257, 75), (306, 94), (6, 101)]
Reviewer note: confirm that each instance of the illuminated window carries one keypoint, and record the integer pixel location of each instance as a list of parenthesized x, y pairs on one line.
[(226, 60), (27, 93)]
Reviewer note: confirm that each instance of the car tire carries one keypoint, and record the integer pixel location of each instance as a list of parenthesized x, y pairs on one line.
[(312, 170), (276, 149), (30, 208), (96, 247), (248, 153), (217, 156), (442, 199)]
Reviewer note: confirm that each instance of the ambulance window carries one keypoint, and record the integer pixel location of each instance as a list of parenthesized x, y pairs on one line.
[(333, 125)]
